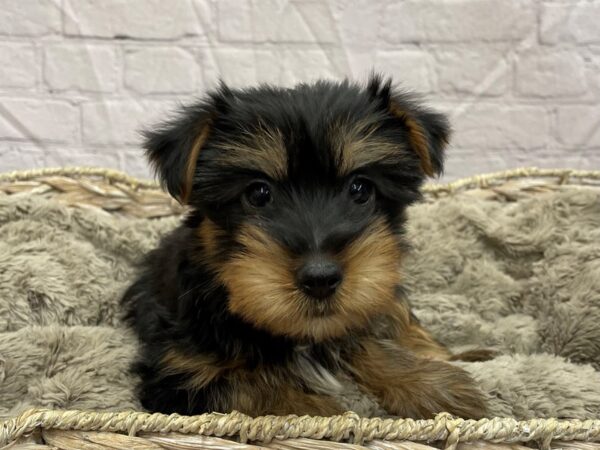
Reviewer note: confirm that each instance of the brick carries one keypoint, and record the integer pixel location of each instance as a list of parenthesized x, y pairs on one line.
[(242, 67), (305, 65), (412, 69), (120, 121), (498, 126), (552, 158), (570, 22), (275, 21), (29, 17), (142, 19), (19, 65), (465, 162), (550, 74), (80, 67), (589, 159), (234, 19), (360, 62), (468, 162), (15, 156), (579, 125), (161, 70), (134, 163), (78, 157), (481, 71), (357, 22), (592, 70), (39, 119), (457, 20), (286, 66)]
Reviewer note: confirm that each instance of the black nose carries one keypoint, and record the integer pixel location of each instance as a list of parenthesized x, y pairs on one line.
[(319, 277)]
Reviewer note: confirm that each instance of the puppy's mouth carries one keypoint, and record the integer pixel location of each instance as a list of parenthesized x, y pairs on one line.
[(321, 308)]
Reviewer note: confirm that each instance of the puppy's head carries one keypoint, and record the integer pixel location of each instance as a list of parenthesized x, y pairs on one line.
[(297, 196)]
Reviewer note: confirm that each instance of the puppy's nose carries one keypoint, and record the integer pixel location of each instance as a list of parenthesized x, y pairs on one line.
[(319, 277)]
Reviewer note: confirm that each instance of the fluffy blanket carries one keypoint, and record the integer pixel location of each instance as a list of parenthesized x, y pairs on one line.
[(521, 277)]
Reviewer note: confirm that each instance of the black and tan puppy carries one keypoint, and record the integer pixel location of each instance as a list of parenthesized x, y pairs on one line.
[(284, 275)]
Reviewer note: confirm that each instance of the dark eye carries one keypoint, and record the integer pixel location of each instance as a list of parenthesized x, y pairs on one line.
[(361, 190), (258, 194)]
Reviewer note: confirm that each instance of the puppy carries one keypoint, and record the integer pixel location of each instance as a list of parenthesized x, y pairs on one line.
[(283, 277)]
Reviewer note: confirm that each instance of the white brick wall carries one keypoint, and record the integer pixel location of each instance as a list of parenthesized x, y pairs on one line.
[(519, 78)]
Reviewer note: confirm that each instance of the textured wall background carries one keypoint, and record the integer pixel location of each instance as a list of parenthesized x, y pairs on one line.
[(519, 78)]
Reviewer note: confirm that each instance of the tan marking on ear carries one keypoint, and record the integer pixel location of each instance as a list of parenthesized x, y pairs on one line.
[(188, 177), (417, 137), (262, 149)]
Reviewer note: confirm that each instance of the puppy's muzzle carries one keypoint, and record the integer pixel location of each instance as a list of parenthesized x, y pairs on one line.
[(319, 276)]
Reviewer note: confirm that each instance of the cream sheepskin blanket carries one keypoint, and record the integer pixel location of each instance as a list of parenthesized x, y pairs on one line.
[(520, 277)]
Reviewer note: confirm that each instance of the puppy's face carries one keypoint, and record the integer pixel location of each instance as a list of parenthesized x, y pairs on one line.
[(298, 197)]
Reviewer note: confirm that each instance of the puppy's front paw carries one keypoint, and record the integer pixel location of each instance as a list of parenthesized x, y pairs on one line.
[(408, 386), (453, 390), (476, 355), (435, 387)]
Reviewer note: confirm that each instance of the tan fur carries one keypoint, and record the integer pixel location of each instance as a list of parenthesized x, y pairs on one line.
[(201, 369), (409, 386), (262, 149), (257, 391), (403, 328), (294, 401), (263, 291), (188, 177), (356, 146), (209, 235), (416, 135), (420, 341), (260, 392)]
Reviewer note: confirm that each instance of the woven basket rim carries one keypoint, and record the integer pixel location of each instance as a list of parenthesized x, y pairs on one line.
[(483, 181), (347, 427)]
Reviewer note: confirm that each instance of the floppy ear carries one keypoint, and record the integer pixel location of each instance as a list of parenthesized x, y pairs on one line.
[(174, 146), (428, 131)]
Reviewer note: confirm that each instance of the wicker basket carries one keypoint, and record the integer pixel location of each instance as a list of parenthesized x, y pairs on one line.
[(116, 193)]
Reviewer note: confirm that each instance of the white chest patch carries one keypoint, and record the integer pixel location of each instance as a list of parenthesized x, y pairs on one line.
[(317, 377)]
